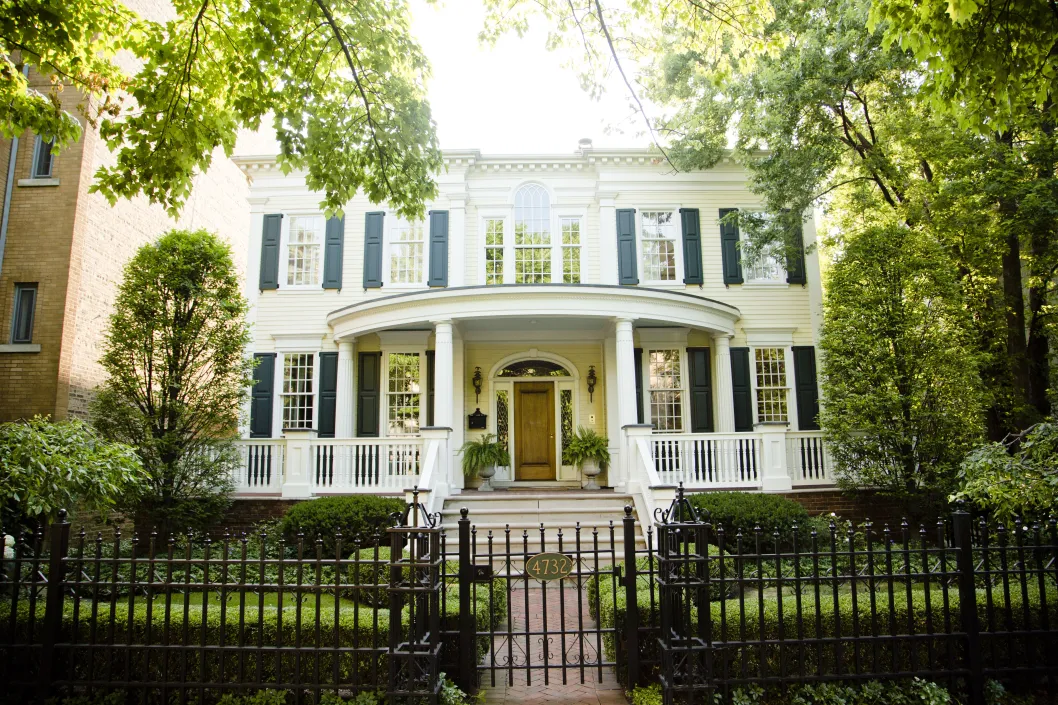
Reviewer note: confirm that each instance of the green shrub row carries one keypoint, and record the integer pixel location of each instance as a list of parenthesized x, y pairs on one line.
[(358, 518)]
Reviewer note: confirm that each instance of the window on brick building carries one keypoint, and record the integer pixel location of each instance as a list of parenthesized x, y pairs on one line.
[(42, 158), (25, 305)]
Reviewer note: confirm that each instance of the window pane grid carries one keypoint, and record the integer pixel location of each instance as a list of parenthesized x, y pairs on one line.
[(766, 266), (297, 390), (303, 250), (771, 384), (659, 246), (571, 250), (407, 248), (532, 235), (532, 265), (494, 251), (403, 394), (666, 393)]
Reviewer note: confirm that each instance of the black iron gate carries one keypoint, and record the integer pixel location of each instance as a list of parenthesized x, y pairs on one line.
[(544, 591)]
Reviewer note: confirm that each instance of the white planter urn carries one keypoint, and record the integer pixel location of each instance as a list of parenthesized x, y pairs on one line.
[(486, 474), (590, 470)]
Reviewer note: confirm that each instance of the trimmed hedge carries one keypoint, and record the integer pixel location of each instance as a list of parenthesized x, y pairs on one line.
[(744, 511), (780, 621), (356, 517)]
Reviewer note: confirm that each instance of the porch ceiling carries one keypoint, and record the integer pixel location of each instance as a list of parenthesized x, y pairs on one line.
[(555, 302)]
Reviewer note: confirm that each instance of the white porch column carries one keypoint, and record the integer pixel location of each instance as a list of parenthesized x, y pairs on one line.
[(725, 403), (618, 477), (345, 404), (443, 367), (775, 478), (626, 377), (298, 464)]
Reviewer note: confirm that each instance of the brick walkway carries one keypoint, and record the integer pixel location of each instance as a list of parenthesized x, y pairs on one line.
[(561, 606)]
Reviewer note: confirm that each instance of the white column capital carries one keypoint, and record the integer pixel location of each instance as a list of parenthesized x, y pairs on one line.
[(723, 342)]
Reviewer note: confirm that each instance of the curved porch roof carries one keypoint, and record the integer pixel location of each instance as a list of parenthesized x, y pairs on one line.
[(644, 305)]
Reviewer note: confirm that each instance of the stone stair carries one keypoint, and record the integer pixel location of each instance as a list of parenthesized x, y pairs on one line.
[(526, 511)]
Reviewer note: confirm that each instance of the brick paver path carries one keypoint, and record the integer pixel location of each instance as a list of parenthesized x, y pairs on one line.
[(560, 603)]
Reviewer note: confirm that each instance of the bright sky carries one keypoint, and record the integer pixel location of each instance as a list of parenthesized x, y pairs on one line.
[(515, 97)]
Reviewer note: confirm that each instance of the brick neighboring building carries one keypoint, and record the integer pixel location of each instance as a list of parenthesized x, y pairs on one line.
[(71, 245)]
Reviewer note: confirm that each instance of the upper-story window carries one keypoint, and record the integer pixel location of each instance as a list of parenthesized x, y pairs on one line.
[(570, 250), (42, 158), (407, 251), (25, 308), (532, 235), (494, 243), (304, 250), (658, 243), (767, 264), (771, 384)]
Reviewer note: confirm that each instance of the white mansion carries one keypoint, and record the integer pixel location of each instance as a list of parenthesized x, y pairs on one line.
[(540, 294)]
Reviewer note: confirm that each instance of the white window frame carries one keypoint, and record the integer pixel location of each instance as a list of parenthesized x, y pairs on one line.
[(677, 279), (787, 370), (281, 379), (507, 216), (684, 387), (38, 144), (389, 227), (558, 215), (423, 390), (750, 268), (284, 251)]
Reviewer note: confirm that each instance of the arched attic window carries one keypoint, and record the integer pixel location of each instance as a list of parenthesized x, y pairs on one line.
[(532, 235)]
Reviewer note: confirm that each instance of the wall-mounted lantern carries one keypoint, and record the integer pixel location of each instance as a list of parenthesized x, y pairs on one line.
[(592, 379), (477, 383)]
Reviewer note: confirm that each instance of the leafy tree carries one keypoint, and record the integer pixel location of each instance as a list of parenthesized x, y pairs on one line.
[(1015, 478), (902, 399), (174, 353), (343, 80), (46, 466)]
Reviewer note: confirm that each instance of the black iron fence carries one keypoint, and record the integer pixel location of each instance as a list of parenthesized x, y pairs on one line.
[(683, 603)]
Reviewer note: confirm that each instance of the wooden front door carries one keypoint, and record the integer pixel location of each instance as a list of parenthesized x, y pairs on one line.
[(534, 436)]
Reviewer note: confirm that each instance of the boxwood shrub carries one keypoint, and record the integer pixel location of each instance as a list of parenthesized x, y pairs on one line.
[(744, 511), (359, 518)]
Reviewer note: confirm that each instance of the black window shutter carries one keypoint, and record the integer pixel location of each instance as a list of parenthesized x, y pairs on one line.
[(692, 246), (368, 396), (627, 269), (373, 250), (438, 249), (741, 389), (795, 268), (701, 390), (261, 395), (637, 356), (804, 360), (729, 252), (333, 244), (430, 387), (328, 394), (269, 278)]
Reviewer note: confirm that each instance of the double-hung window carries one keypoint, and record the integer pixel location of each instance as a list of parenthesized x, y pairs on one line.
[(665, 389), (532, 235), (570, 250), (494, 244), (658, 240), (407, 252), (771, 385), (304, 250), (403, 393), (25, 308), (767, 265), (298, 394)]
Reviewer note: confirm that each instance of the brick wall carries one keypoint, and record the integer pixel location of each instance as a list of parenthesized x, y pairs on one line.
[(855, 506), (245, 514)]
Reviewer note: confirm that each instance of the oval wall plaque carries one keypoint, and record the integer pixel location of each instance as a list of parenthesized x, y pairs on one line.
[(548, 566)]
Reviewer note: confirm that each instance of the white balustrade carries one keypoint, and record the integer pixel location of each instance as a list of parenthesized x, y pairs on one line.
[(350, 466), (261, 468), (808, 459), (708, 460)]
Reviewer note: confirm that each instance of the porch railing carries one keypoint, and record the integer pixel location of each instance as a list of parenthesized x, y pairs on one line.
[(350, 466), (807, 459), (261, 469), (707, 460)]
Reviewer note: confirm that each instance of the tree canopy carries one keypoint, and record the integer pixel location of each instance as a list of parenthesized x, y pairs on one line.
[(343, 80)]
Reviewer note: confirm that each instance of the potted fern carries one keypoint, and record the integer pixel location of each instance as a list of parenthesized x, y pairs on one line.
[(481, 456), (589, 451)]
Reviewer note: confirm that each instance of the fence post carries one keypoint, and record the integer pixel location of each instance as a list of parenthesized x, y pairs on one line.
[(964, 560), (467, 619), (60, 534), (396, 608), (631, 601)]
